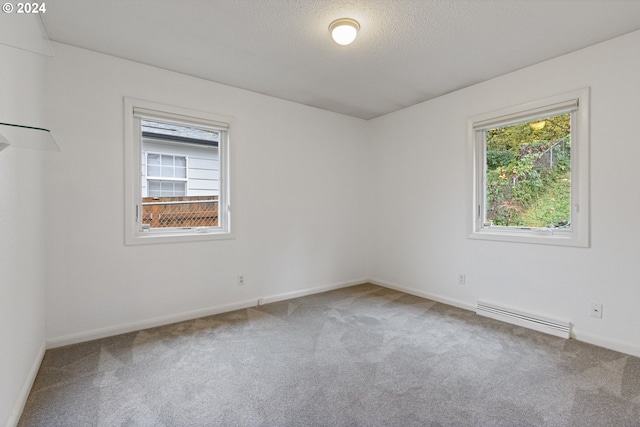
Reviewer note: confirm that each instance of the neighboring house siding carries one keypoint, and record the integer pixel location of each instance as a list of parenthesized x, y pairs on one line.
[(199, 174), (202, 166)]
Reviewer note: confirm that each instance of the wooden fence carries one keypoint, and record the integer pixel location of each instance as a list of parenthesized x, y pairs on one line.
[(188, 211)]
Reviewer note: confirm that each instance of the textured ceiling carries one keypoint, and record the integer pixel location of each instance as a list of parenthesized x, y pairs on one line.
[(407, 51)]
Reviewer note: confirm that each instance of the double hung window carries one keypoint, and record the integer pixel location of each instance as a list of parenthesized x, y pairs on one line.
[(166, 175)]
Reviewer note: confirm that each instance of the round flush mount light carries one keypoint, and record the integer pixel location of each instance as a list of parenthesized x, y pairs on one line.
[(344, 30)]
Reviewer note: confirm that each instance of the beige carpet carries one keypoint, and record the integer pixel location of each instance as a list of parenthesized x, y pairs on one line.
[(360, 356)]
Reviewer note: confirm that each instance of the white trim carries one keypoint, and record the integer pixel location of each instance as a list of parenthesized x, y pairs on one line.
[(428, 295), (133, 108), (578, 235), (190, 315), (26, 388), (526, 112), (180, 115), (312, 291), (602, 341), (145, 324), (576, 333)]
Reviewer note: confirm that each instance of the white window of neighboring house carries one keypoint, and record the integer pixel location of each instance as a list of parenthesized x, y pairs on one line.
[(159, 188), (177, 174), (531, 172), (166, 174)]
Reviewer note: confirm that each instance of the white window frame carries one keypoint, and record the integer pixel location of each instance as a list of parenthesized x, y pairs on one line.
[(578, 234), (134, 109)]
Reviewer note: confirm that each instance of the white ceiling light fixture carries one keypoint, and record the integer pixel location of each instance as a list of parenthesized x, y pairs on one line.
[(344, 30)]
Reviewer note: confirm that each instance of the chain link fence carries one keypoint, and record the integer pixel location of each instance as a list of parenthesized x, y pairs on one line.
[(173, 212), (558, 152)]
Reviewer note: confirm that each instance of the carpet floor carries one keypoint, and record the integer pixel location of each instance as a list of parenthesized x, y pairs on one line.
[(359, 356)]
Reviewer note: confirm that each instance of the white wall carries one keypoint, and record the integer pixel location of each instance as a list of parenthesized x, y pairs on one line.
[(420, 201), (298, 174), (22, 310)]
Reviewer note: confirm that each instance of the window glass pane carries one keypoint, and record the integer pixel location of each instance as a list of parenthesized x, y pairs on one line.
[(180, 189), (166, 188), (180, 167), (196, 181), (528, 173), (154, 188), (167, 160), (153, 159), (167, 171), (153, 170)]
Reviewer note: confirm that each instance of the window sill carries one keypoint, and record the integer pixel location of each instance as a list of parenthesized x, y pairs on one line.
[(535, 236), (177, 237)]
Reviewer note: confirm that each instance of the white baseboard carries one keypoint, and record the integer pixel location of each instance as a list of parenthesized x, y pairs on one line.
[(311, 291), (165, 320), (108, 331), (189, 315), (605, 342), (577, 334), (26, 389), (423, 294)]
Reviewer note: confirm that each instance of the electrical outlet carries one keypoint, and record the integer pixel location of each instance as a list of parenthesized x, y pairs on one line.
[(462, 278), (240, 280), (596, 310)]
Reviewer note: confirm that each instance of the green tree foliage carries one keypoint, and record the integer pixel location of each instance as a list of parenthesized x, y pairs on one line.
[(510, 138), (528, 173)]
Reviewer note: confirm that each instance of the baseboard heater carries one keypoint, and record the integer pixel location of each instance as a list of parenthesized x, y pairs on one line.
[(554, 327)]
